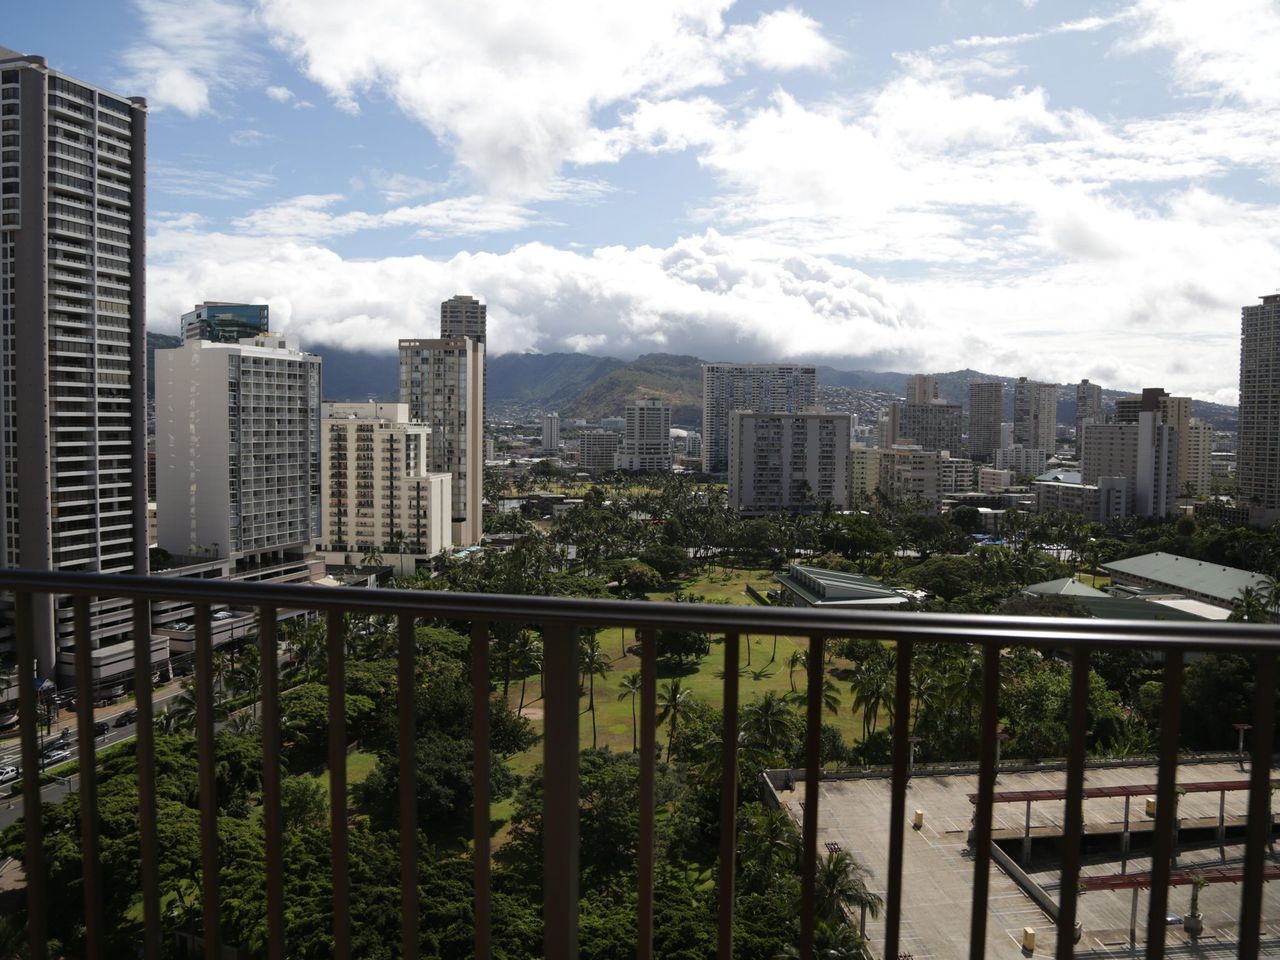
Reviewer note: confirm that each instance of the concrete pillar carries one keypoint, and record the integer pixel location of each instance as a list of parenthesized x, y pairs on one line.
[(1026, 838), (1124, 837)]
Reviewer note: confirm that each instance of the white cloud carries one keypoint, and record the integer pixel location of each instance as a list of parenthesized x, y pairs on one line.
[(517, 89), (1223, 49), (192, 179), (280, 94), (191, 48)]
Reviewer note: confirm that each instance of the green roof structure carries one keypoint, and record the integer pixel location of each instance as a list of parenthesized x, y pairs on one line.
[(1193, 579), (816, 587)]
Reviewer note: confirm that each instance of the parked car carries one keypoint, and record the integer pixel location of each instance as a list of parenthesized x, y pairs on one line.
[(224, 615), (126, 718), (111, 694), (101, 728), (8, 774), (8, 721)]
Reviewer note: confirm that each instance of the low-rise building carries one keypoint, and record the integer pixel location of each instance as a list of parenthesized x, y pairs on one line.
[(1022, 461), (1099, 502), (1210, 583), (993, 480)]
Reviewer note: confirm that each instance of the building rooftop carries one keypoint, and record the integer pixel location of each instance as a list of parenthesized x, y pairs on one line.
[(1060, 476), (816, 587), (937, 880), (1189, 576), (1066, 586)]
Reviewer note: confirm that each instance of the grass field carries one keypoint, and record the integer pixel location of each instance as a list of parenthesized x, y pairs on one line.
[(613, 716), (359, 765)]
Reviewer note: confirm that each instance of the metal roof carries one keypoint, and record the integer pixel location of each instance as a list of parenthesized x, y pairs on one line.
[(1066, 586), (1178, 878), (1189, 576)]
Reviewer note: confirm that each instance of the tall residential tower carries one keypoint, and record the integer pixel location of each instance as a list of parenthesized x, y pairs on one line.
[(1258, 460), (73, 402), (758, 387)]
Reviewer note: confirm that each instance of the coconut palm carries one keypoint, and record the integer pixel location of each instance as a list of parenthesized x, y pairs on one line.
[(841, 884), (528, 655), (769, 724), (830, 698), (673, 700), (873, 690), (372, 557), (595, 663), (630, 687), (798, 658)]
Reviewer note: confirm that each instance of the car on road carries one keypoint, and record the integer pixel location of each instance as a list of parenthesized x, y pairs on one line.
[(101, 728), (111, 694), (55, 755), (8, 774), (224, 615), (126, 718), (8, 721)]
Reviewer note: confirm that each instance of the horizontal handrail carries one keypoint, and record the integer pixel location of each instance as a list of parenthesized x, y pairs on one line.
[(716, 618)]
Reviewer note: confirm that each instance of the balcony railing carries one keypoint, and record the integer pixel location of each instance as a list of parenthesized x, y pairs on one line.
[(560, 619)]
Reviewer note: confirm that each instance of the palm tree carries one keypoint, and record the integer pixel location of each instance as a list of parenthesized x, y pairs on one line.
[(769, 724), (630, 687), (841, 884), (830, 699), (798, 658), (872, 690), (1250, 606), (673, 700), (372, 557), (595, 663), (398, 542), (529, 660)]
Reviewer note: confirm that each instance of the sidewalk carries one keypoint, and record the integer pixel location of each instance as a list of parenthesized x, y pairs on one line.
[(67, 719)]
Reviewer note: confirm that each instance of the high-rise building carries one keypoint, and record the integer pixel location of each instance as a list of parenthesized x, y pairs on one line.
[(598, 451), (378, 491), (1258, 469), (788, 462), (864, 474), (238, 451), (936, 425), (986, 407), (225, 322), (955, 475), (756, 387), (1144, 453), (1088, 407), (922, 388), (1035, 414), (1021, 460), (442, 381), (1195, 457), (73, 377), (463, 316), (911, 474), (646, 439), (1173, 411), (551, 433)]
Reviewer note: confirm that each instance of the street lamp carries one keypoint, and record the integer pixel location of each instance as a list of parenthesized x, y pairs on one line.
[(1240, 728), (912, 766), (1001, 737)]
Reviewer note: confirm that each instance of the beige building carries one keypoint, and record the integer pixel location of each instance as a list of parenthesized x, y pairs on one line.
[(993, 480), (598, 451), (909, 472), (1088, 407), (758, 387), (646, 438), (378, 492), (1195, 454), (1258, 467), (955, 474), (442, 382), (1102, 501), (1035, 414), (864, 474), (788, 462), (1144, 453), (1022, 461)]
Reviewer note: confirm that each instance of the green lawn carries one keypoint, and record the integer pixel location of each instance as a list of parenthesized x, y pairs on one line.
[(359, 765), (613, 716)]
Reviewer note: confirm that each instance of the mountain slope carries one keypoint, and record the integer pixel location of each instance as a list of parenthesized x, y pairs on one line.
[(675, 379)]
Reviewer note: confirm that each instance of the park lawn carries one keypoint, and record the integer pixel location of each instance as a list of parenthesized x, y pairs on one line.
[(359, 765), (705, 679)]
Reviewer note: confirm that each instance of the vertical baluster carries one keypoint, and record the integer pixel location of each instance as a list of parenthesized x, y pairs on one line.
[(812, 787), (269, 658), (648, 767), (1259, 827), (986, 789), (1073, 812), (480, 784), (560, 793), (728, 794), (336, 635), (407, 746), (148, 842), (88, 786), (28, 709), (898, 798), (208, 781), (1166, 801)]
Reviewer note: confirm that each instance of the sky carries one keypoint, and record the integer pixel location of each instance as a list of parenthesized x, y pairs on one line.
[(1024, 187)]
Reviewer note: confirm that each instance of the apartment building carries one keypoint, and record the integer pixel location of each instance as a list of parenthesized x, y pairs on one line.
[(936, 425), (442, 382), (756, 387), (955, 475), (908, 472), (1088, 407), (1195, 456), (986, 409), (378, 491), (551, 433), (1035, 415), (1258, 464), (1099, 502), (73, 378), (598, 451), (1022, 461), (238, 451), (864, 474), (788, 462), (1144, 453), (646, 438)]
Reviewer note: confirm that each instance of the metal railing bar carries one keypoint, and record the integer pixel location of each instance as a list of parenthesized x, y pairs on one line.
[(898, 798), (728, 796), (888, 625), (273, 827), (208, 783), (1166, 804), (88, 787), (480, 786), (812, 787), (148, 842), (336, 636), (34, 867), (1259, 823), (560, 793), (987, 732), (1073, 808), (407, 755), (648, 769)]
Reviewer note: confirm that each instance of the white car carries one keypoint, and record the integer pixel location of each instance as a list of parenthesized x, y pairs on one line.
[(8, 774), (55, 755), (224, 615)]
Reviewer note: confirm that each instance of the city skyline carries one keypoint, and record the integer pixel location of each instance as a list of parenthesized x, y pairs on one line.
[(783, 183)]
